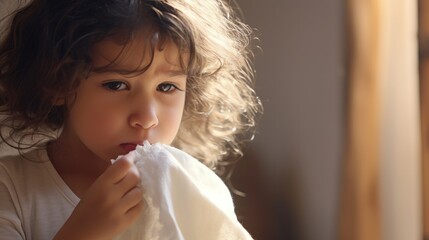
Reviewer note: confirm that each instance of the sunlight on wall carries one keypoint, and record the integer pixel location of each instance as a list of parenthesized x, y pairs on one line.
[(400, 137)]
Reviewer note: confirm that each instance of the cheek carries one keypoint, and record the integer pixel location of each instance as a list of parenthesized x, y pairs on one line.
[(171, 120), (94, 117)]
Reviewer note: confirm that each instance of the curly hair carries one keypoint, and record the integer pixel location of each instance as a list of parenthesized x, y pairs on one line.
[(44, 55)]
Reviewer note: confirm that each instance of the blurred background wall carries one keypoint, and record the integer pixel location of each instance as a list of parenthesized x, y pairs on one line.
[(291, 172)]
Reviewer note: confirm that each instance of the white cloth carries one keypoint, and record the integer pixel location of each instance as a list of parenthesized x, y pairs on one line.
[(34, 200), (185, 200)]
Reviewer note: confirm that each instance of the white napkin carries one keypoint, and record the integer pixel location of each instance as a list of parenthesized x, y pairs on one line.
[(184, 200)]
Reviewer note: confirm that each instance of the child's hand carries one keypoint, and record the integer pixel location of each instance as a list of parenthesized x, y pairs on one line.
[(111, 205)]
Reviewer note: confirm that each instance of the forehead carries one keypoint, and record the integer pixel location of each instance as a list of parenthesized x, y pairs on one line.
[(135, 53)]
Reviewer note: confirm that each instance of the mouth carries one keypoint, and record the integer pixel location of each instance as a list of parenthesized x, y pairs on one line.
[(128, 147)]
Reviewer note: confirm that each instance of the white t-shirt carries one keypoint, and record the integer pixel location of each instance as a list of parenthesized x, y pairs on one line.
[(34, 200)]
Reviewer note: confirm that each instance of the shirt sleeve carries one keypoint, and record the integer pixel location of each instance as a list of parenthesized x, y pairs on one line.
[(10, 223)]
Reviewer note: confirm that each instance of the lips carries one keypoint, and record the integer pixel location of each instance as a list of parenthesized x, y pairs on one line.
[(128, 147), (131, 146)]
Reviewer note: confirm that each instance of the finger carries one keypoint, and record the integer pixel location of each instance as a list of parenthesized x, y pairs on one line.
[(133, 213), (117, 171), (129, 181), (132, 198)]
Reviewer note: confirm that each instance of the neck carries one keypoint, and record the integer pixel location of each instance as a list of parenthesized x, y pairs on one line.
[(70, 156)]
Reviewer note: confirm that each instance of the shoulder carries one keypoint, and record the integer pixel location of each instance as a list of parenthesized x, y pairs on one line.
[(20, 162), (32, 195), (20, 169), (14, 170), (31, 177)]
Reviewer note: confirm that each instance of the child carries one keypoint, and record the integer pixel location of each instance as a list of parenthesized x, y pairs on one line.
[(108, 75)]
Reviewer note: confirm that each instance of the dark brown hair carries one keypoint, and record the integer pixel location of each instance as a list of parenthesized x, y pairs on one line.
[(45, 54)]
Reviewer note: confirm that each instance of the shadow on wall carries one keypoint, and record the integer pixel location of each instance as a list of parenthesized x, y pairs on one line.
[(267, 213)]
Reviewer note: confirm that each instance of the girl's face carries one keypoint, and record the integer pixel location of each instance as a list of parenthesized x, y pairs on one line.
[(111, 112)]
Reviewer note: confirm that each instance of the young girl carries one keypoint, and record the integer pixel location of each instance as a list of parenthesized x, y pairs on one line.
[(107, 75)]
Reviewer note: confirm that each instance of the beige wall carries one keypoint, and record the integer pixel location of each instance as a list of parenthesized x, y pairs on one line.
[(298, 150), (400, 133), (297, 154)]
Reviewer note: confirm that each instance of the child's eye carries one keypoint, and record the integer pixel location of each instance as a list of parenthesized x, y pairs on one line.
[(115, 85), (166, 87)]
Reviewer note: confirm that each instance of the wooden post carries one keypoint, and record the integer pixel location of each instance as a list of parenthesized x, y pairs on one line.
[(424, 107), (360, 205)]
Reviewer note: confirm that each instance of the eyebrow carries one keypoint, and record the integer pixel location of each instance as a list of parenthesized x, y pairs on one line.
[(174, 73), (124, 72)]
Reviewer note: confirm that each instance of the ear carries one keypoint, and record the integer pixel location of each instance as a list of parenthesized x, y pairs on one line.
[(59, 101)]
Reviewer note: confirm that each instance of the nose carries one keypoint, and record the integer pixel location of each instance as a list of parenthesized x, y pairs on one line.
[(145, 116)]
